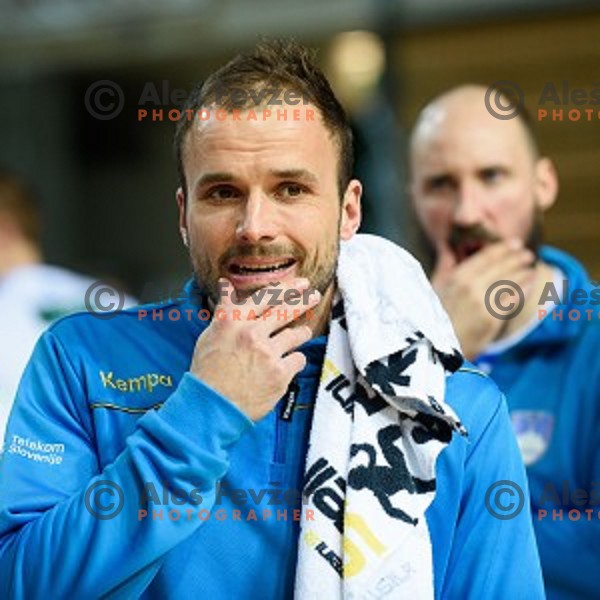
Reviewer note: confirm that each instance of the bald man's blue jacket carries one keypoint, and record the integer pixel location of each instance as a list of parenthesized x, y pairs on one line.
[(551, 378)]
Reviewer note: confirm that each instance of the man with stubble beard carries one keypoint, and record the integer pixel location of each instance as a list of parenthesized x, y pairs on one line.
[(479, 187), (322, 442)]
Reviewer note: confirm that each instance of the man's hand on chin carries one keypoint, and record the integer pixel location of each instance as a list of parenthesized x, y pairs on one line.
[(462, 289), (247, 354)]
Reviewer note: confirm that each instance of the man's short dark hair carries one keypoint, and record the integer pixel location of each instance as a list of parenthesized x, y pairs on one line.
[(18, 202), (272, 64)]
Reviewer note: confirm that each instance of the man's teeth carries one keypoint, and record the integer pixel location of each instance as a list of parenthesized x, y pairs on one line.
[(242, 269)]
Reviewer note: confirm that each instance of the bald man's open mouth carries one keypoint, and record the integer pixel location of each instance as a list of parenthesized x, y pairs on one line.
[(467, 241)]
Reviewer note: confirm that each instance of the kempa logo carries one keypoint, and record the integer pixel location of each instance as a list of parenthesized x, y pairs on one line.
[(146, 382)]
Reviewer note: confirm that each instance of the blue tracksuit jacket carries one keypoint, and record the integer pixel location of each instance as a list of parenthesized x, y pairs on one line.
[(108, 423), (552, 383)]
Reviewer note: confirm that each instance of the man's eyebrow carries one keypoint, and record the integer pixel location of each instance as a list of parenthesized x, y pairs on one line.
[(218, 177), (302, 174), (494, 167), (436, 176)]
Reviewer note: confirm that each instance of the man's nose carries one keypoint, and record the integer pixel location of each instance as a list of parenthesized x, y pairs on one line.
[(468, 206), (257, 221)]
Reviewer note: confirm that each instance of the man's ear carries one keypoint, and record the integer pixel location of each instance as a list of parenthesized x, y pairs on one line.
[(181, 204), (546, 183), (351, 210)]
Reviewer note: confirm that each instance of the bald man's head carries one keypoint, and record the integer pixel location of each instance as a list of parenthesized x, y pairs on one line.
[(476, 179), (467, 102)]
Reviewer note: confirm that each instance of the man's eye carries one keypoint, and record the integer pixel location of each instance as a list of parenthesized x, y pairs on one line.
[(441, 183), (222, 192), (491, 175), (291, 190)]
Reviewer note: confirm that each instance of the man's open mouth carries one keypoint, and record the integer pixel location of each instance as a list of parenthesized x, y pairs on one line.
[(257, 266), (467, 241), (467, 248)]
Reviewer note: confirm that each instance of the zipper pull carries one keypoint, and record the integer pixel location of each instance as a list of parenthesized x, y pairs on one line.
[(287, 409)]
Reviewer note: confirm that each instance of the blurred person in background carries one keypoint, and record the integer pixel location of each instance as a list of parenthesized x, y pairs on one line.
[(159, 437), (480, 186), (32, 294)]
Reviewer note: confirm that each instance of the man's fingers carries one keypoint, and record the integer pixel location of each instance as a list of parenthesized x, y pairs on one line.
[(525, 279), (278, 317), (294, 363), (279, 296), (508, 268), (487, 267), (480, 265), (290, 338), (289, 295)]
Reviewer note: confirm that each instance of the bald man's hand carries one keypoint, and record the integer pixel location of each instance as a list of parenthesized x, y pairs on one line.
[(462, 288)]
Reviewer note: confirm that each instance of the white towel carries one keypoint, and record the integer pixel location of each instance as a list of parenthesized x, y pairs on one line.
[(379, 424)]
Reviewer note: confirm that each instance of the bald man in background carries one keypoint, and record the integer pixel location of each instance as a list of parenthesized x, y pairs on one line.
[(480, 186)]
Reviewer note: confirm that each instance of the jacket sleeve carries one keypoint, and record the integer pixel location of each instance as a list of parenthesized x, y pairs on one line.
[(494, 553), (69, 528)]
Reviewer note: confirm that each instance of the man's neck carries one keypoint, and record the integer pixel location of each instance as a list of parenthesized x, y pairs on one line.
[(19, 256)]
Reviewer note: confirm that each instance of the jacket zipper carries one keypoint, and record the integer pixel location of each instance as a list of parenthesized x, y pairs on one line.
[(283, 421)]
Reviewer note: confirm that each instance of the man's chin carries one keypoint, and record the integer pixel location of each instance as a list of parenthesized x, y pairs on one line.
[(244, 292)]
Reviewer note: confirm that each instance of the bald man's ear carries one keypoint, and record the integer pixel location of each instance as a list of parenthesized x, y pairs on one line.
[(546, 183)]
